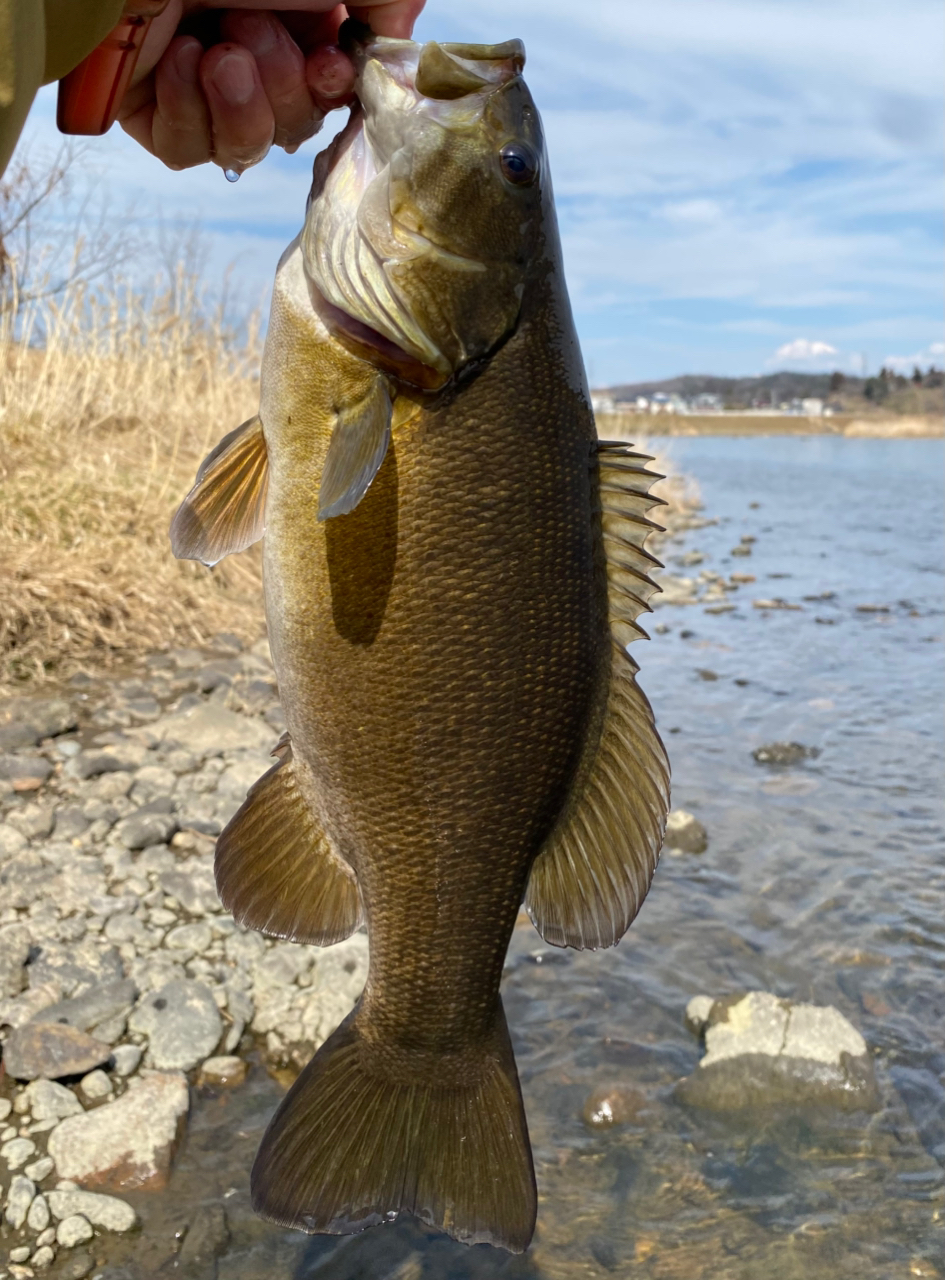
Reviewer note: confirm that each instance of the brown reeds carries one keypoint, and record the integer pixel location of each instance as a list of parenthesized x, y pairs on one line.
[(108, 400)]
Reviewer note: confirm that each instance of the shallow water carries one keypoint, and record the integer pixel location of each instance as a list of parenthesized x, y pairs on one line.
[(822, 882)]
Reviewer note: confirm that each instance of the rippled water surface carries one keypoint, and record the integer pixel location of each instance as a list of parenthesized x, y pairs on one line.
[(822, 882)]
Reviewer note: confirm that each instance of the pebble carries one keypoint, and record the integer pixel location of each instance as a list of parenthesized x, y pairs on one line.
[(16, 1152), (129, 1142), (107, 1212), (21, 1254), (101, 1004), (24, 722), (19, 1198), (52, 1050), (73, 1230), (43, 1258), (25, 773), (38, 1217), (77, 1267), (224, 1071), (40, 1169), (96, 1085), (612, 1104), (126, 1058), (15, 942), (47, 1100)]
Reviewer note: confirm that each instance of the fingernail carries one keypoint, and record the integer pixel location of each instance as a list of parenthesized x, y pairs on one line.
[(187, 60), (234, 80), (258, 33)]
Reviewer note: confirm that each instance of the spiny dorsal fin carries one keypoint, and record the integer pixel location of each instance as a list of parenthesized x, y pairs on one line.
[(225, 511), (276, 870), (625, 499), (358, 444), (592, 875)]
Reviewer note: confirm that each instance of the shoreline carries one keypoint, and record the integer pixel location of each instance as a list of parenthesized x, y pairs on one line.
[(913, 427)]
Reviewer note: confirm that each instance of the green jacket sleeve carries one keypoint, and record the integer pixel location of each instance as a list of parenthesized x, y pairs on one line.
[(40, 40)]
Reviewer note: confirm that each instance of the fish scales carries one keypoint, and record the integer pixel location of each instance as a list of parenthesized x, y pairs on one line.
[(443, 744), (453, 568)]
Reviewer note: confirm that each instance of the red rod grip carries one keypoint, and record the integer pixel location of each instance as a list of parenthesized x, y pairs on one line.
[(89, 96)]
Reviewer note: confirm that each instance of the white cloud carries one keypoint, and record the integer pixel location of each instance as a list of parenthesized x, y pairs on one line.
[(803, 351)]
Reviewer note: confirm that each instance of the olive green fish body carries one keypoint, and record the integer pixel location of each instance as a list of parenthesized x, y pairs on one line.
[(453, 566)]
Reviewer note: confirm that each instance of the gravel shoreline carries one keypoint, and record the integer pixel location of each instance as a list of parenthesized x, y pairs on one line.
[(122, 980)]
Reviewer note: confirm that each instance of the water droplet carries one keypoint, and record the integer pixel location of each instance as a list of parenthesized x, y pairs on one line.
[(231, 175)]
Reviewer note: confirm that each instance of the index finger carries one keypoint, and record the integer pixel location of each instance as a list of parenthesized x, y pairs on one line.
[(389, 17)]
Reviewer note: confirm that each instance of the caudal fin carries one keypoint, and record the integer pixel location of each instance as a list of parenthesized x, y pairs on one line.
[(349, 1148)]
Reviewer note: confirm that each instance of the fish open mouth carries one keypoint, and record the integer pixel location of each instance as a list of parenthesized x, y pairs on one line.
[(353, 244)]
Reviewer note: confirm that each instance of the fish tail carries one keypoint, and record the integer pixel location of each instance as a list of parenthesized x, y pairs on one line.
[(351, 1147)]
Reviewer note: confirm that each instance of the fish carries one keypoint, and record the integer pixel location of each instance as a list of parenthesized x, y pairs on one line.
[(453, 566)]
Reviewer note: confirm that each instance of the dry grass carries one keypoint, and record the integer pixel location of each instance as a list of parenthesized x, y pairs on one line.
[(107, 403)]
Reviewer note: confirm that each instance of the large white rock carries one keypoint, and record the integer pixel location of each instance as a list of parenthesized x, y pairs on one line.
[(126, 1143)]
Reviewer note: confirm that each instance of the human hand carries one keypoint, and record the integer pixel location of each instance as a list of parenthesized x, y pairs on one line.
[(222, 80)]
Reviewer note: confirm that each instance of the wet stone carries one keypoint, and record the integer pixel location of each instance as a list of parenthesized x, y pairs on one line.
[(19, 1198), (225, 1071), (52, 1050), (612, 1104), (685, 832), (73, 1230), (78, 1266), (764, 1052), (784, 753), (207, 1236), (47, 1100)]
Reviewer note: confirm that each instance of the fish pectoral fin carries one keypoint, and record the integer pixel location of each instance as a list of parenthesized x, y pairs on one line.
[(225, 511), (277, 871), (358, 444), (590, 879), (354, 1143)]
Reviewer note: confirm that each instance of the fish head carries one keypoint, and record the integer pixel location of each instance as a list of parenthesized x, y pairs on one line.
[(426, 211)]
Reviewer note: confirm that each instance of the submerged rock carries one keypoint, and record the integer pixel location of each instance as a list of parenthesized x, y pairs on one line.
[(685, 832), (785, 753), (207, 1236), (762, 1051), (612, 1104), (107, 1212), (126, 1143)]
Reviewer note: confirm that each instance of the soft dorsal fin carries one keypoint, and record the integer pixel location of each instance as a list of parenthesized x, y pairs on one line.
[(356, 450), (225, 511), (276, 869), (590, 879)]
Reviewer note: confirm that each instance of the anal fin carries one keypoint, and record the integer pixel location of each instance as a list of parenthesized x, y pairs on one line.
[(276, 870), (225, 511)]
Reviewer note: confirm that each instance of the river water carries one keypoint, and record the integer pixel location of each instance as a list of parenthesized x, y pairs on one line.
[(822, 882)]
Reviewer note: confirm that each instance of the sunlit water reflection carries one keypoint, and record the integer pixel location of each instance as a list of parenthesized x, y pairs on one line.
[(822, 882)]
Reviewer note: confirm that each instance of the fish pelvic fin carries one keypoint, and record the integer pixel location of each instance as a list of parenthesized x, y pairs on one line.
[(225, 511), (590, 878), (277, 871), (356, 1142), (356, 450)]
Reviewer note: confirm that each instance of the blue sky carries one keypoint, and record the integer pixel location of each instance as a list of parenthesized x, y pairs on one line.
[(742, 185)]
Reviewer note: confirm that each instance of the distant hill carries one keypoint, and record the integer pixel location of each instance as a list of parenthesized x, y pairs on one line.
[(773, 387)]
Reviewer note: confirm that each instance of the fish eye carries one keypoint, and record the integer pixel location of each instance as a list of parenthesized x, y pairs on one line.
[(519, 164)]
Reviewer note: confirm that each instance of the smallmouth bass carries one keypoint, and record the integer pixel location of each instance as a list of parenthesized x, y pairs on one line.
[(453, 566)]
